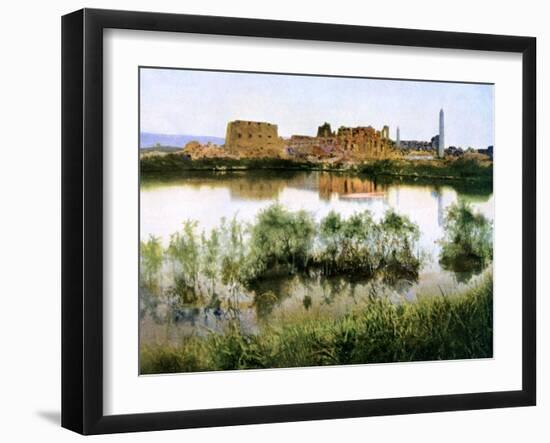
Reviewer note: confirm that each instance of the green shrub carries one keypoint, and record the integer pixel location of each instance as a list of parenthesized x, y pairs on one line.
[(151, 253), (280, 241), (467, 247)]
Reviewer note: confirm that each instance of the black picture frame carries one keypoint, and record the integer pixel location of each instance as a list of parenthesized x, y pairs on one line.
[(82, 219)]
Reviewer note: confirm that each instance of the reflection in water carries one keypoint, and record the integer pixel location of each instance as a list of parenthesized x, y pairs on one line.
[(463, 267), (268, 184), (208, 196), (244, 185), (438, 195), (343, 185)]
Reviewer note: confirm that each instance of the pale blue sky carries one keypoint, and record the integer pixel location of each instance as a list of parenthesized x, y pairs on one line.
[(202, 102)]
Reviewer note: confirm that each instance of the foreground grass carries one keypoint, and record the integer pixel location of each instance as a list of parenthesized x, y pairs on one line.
[(458, 326)]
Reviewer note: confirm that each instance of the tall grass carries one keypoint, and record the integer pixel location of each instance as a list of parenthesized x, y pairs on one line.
[(441, 327)]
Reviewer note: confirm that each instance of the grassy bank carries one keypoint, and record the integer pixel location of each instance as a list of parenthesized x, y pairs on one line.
[(443, 327), (171, 163), (465, 168), (448, 169)]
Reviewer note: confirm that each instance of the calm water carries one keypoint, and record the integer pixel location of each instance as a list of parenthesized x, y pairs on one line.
[(208, 196)]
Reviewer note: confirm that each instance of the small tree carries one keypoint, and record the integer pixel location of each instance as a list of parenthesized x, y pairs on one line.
[(280, 240), (185, 252), (151, 263), (210, 258), (232, 262)]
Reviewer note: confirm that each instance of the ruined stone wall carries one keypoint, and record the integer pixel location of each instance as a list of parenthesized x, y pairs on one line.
[(358, 143), (364, 142), (249, 139), (303, 145), (324, 130), (196, 150), (253, 139), (416, 145)]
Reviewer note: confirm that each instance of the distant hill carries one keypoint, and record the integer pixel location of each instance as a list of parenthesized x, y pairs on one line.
[(149, 140), (168, 149)]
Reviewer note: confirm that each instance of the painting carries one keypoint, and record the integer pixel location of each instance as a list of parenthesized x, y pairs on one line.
[(292, 220)]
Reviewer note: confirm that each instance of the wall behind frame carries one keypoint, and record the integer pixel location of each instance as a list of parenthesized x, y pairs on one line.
[(30, 189)]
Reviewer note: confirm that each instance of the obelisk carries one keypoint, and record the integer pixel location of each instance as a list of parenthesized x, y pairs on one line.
[(441, 144), (398, 139)]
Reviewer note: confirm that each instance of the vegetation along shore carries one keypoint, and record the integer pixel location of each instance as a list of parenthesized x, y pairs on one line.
[(224, 272), (457, 326), (462, 168)]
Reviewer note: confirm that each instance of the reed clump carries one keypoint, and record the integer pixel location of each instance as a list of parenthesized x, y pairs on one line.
[(217, 269), (467, 247)]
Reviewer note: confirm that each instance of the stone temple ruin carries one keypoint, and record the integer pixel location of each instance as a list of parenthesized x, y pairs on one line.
[(253, 139), (250, 139), (349, 142), (364, 141)]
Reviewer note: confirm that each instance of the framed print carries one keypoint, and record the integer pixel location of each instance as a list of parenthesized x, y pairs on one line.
[(269, 221)]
